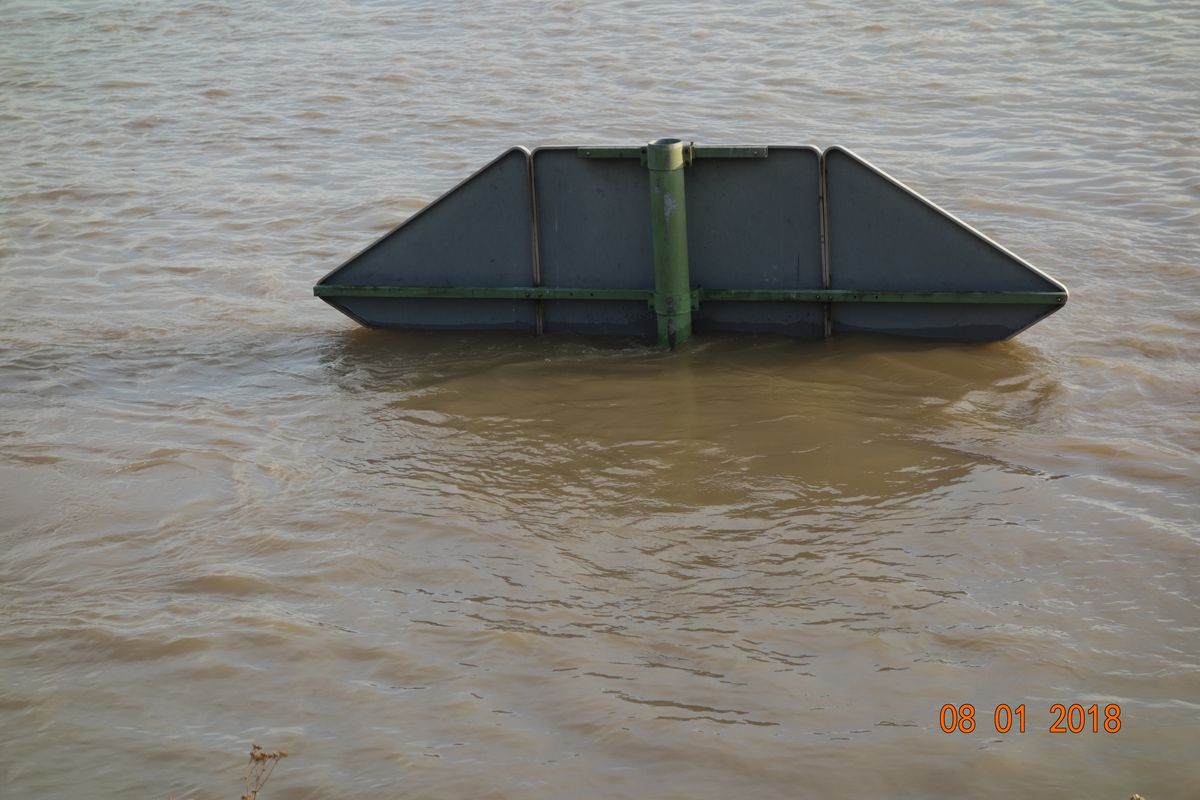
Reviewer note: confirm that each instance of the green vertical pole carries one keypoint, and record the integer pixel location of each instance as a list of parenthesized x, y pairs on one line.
[(668, 224)]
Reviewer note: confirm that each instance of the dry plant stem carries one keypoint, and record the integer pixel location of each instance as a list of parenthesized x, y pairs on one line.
[(258, 770)]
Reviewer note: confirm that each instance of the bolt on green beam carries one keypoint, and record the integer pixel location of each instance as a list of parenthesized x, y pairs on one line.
[(668, 225)]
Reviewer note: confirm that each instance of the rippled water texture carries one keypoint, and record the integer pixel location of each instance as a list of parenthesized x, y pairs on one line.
[(475, 566)]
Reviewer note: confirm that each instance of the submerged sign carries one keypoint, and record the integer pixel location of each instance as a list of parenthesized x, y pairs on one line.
[(673, 238)]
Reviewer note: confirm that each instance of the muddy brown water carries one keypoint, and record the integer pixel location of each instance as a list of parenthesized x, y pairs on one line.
[(496, 566)]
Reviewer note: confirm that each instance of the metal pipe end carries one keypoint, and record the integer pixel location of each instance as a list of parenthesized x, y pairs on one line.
[(665, 154)]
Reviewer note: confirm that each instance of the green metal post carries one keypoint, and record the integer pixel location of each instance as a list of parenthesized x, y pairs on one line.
[(668, 224)]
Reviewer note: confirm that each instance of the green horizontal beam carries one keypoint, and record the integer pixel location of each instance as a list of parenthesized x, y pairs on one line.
[(729, 151), (484, 292), (611, 152), (701, 295), (847, 296), (691, 152)]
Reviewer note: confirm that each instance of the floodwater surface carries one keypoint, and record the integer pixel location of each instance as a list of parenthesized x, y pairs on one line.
[(456, 565)]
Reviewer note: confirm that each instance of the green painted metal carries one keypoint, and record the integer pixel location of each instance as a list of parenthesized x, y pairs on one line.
[(484, 292), (727, 151), (690, 152), (846, 296), (695, 296), (668, 225), (611, 152)]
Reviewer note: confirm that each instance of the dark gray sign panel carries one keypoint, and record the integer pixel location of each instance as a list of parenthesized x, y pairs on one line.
[(478, 234), (883, 237), (593, 233), (755, 223)]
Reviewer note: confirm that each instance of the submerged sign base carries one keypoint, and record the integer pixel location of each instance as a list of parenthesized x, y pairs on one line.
[(673, 238)]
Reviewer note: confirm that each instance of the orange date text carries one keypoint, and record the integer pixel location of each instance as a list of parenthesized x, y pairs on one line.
[(1062, 718)]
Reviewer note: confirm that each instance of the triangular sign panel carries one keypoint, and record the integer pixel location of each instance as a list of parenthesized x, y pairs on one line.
[(478, 234), (883, 237)]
